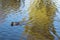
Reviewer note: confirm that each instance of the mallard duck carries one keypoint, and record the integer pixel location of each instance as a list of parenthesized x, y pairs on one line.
[(15, 23)]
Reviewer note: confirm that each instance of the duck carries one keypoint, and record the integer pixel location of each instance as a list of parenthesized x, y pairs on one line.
[(15, 23)]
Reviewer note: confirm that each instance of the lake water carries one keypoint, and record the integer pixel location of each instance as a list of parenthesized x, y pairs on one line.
[(8, 32)]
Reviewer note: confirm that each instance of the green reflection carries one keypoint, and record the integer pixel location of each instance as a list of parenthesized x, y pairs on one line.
[(41, 19)]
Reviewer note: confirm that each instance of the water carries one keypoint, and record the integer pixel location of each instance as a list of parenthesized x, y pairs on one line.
[(20, 13)]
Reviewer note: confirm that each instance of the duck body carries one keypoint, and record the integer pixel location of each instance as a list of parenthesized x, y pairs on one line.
[(15, 23)]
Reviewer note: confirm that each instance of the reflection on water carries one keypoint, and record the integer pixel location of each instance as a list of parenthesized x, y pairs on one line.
[(41, 17), (37, 23)]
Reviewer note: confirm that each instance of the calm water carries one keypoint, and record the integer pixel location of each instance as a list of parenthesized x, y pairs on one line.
[(19, 13)]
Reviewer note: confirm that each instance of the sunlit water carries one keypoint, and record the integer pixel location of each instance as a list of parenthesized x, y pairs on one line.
[(7, 32)]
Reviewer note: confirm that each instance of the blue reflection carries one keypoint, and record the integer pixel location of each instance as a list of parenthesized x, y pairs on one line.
[(7, 32)]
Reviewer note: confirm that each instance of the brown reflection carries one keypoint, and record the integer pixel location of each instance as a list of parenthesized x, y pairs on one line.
[(41, 19), (13, 4), (6, 6)]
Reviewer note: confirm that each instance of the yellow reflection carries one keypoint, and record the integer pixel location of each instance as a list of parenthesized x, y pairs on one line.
[(41, 17)]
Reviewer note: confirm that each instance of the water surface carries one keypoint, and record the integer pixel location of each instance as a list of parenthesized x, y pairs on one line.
[(17, 11)]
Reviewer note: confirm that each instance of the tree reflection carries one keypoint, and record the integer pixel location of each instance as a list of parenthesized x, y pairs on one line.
[(41, 19), (13, 4), (6, 6)]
